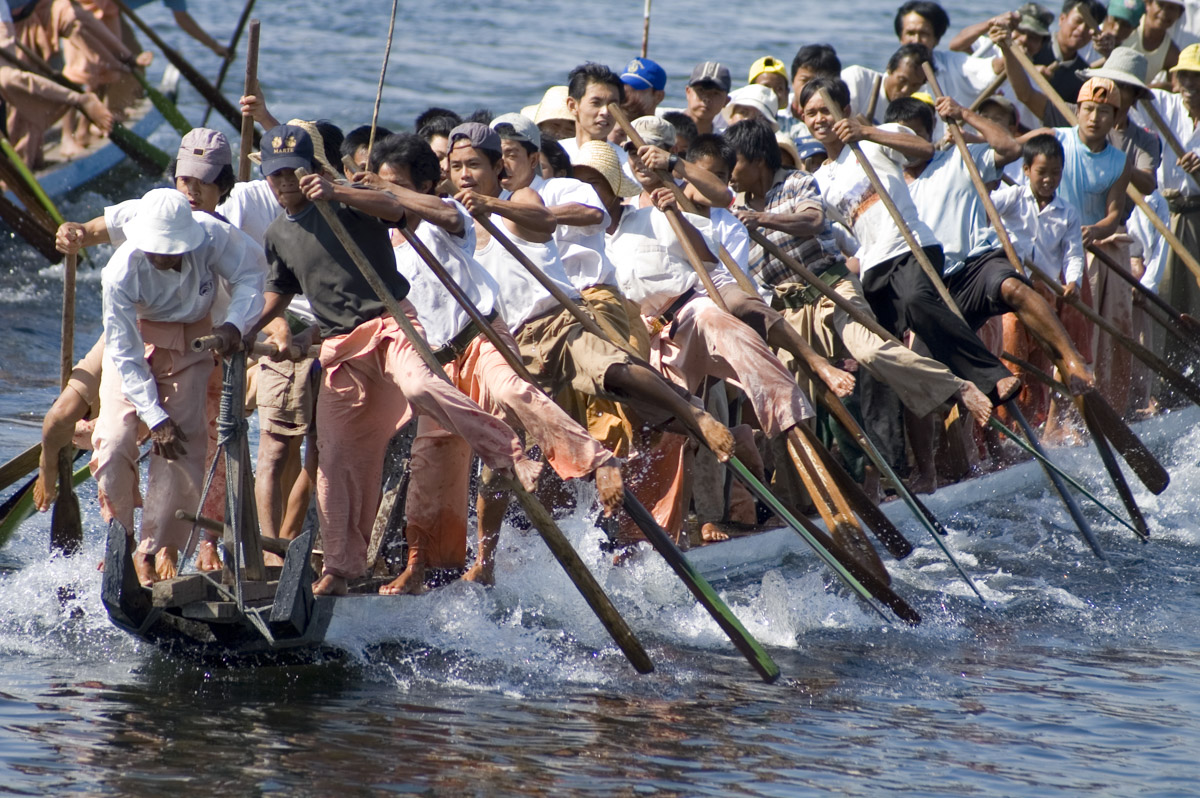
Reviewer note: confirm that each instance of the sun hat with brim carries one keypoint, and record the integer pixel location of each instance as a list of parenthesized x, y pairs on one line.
[(164, 225), (286, 147), (1189, 59), (602, 156), (519, 128), (1101, 91), (761, 98), (655, 131), (553, 106), (1123, 65), (203, 153), (1130, 11), (787, 145)]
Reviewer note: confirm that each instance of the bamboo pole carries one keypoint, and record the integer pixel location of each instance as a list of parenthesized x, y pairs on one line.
[(230, 51), (246, 142), (387, 53)]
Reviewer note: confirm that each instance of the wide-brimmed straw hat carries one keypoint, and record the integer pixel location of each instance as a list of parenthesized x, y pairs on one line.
[(553, 106), (601, 156), (787, 145), (164, 225), (1124, 65), (761, 98)]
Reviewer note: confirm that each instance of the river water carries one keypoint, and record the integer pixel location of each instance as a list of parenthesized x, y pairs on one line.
[(1076, 678)]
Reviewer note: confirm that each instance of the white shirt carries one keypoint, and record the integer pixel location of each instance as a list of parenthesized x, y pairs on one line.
[(1051, 236), (947, 201), (521, 296), (729, 231), (961, 76), (1187, 130), (1154, 246), (133, 289), (251, 207), (652, 265), (845, 186), (581, 248), (859, 80), (440, 314)]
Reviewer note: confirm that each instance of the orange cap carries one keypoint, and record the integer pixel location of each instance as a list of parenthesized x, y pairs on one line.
[(1100, 90)]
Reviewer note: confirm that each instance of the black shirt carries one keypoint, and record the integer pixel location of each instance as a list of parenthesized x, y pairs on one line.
[(305, 257)]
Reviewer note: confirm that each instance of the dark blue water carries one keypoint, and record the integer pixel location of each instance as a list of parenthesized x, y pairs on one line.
[(1077, 679)]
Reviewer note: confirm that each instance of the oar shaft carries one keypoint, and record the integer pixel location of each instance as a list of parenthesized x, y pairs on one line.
[(646, 29), (1164, 129), (30, 182), (387, 54), (67, 356), (989, 90), (230, 52), (250, 87), (876, 84)]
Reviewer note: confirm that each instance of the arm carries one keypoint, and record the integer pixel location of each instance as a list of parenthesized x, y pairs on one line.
[(424, 206), (965, 38), (125, 349), (255, 106), (274, 305), (380, 204), (192, 28), (664, 200), (1115, 202), (73, 236), (997, 137), (910, 145), (804, 221), (1073, 261), (1033, 99), (576, 214), (524, 213), (711, 188), (234, 260)]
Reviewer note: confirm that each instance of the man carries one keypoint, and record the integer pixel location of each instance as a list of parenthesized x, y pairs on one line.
[(34, 103), (363, 346), (1123, 18), (707, 93), (591, 88), (158, 292), (900, 294), (645, 86), (408, 170), (187, 24), (1070, 40), (810, 61), (1153, 36), (903, 77), (961, 77), (771, 72)]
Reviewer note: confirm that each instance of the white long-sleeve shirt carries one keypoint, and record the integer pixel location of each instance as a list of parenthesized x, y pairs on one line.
[(1051, 236), (1187, 131), (1154, 246), (133, 289)]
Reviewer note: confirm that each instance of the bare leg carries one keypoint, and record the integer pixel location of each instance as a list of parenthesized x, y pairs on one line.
[(786, 337), (649, 391), (1041, 320), (301, 494), (278, 459), (490, 508), (57, 430)]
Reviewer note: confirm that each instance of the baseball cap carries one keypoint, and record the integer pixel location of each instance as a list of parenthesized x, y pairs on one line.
[(1189, 59), (480, 136), (642, 73), (655, 131), (203, 153), (767, 64), (286, 147), (807, 147), (712, 72), (1130, 11), (1035, 19), (522, 129), (1100, 90)]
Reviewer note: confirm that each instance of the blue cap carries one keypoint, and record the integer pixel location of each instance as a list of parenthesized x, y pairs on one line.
[(642, 73), (286, 147), (807, 147)]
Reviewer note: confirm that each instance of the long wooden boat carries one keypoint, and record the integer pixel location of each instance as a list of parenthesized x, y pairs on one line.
[(197, 615)]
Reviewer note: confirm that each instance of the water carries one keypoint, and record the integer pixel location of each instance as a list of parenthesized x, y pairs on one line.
[(1077, 679)]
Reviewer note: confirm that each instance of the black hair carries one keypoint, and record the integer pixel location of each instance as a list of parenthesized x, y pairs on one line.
[(838, 91), (585, 74), (437, 126), (331, 137), (1010, 110), (224, 181), (715, 146), (932, 13), (684, 125), (1098, 9), (917, 53), (483, 116), (506, 129), (819, 58), (557, 156), (1044, 144), (754, 140), (410, 151), (434, 113), (361, 137), (907, 108)]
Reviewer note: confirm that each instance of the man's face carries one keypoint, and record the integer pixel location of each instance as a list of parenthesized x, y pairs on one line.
[(819, 120), (557, 129), (799, 81), (597, 181), (592, 118), (441, 147), (1031, 43), (471, 168), (1096, 120), (360, 158), (776, 83), (200, 195), (994, 113), (715, 165), (1073, 32), (1119, 28), (915, 29), (640, 102), (400, 174), (518, 163), (286, 188), (164, 263), (904, 81), (918, 127), (1161, 15), (1044, 175), (705, 101), (744, 173), (740, 112), (1187, 83)]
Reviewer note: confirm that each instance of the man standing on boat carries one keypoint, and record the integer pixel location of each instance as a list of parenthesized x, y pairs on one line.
[(158, 290)]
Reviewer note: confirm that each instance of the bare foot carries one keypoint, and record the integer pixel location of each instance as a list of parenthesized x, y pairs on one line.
[(272, 559), (1080, 378), (95, 110), (871, 484), (207, 558), (711, 533), (330, 585), (716, 435), (143, 566), (528, 472), (840, 382), (610, 487), (1007, 389), (45, 488), (411, 582), (923, 483), (976, 402), (166, 562), (480, 574)]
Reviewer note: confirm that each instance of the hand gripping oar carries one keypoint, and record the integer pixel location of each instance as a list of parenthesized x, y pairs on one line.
[(655, 534), (209, 92), (246, 142), (558, 544), (893, 211), (230, 52), (66, 525)]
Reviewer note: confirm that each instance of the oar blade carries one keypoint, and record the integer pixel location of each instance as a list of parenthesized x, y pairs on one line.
[(1114, 472), (1151, 472)]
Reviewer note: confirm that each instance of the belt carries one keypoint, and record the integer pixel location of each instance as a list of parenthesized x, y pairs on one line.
[(793, 296), (1182, 203), (450, 351), (668, 315)]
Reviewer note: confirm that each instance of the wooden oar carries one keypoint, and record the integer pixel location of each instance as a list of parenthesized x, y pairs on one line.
[(646, 29), (988, 91), (558, 544), (169, 110), (219, 101), (1181, 251), (655, 534), (230, 52), (18, 508), (29, 228), (246, 144), (1188, 329), (66, 524), (30, 182), (387, 54), (893, 211), (874, 101), (20, 465)]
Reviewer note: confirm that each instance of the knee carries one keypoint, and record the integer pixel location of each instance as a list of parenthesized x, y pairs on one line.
[(1016, 294)]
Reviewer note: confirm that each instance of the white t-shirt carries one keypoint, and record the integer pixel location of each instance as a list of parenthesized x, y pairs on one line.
[(1154, 246), (521, 296), (859, 80), (440, 314), (961, 76), (581, 249), (652, 265), (845, 186), (946, 200), (1187, 130), (251, 207)]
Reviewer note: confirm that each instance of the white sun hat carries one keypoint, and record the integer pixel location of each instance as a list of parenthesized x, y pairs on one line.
[(760, 98), (164, 225)]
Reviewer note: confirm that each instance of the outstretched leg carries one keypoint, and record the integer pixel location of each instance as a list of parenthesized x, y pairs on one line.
[(1041, 320)]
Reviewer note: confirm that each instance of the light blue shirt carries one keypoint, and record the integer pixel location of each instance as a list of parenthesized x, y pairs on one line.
[(1087, 176)]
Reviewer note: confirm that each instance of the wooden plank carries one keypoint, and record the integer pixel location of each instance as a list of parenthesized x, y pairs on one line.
[(216, 611), (180, 590)]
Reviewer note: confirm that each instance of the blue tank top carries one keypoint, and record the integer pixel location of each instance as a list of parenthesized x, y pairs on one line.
[(1087, 175)]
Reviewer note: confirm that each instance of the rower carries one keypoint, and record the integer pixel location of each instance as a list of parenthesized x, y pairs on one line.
[(924, 22)]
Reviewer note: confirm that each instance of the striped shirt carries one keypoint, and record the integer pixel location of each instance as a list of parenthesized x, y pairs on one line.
[(794, 191)]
